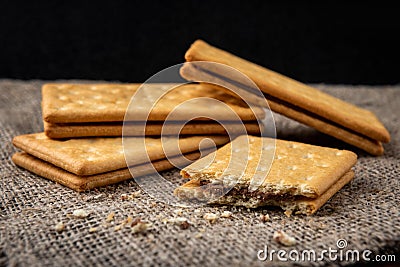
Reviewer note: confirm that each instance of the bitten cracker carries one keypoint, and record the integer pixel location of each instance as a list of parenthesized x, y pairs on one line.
[(88, 156), (77, 103), (298, 172), (82, 183), (299, 205), (291, 93), (71, 130)]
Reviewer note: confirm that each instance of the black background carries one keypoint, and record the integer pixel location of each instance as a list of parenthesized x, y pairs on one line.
[(130, 41)]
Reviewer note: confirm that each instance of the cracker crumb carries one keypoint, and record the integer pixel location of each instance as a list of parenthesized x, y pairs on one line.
[(181, 221), (118, 227), (110, 217), (135, 221), (178, 212), (288, 213), (282, 238), (141, 227), (92, 229), (59, 227), (198, 235), (226, 214), (80, 213), (264, 217), (98, 196), (211, 217), (136, 194), (184, 225), (178, 220), (130, 196), (128, 220)]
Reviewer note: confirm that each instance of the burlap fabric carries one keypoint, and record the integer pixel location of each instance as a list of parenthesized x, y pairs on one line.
[(365, 213)]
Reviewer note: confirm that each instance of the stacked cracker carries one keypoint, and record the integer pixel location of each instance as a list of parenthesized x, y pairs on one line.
[(301, 177), (330, 115), (87, 163), (82, 146), (86, 110)]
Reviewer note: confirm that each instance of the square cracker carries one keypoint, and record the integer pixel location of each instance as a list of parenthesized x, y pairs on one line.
[(82, 183), (321, 124), (296, 169), (71, 130), (296, 93), (75, 103), (88, 156)]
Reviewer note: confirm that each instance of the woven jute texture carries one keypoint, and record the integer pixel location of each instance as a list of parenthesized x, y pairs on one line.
[(364, 213)]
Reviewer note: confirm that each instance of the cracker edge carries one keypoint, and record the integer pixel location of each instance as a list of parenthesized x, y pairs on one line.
[(86, 168), (305, 206), (365, 143), (59, 131), (53, 115), (379, 132), (82, 183)]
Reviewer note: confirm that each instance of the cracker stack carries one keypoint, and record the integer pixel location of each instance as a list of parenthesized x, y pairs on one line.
[(342, 120), (89, 120), (87, 163), (87, 110)]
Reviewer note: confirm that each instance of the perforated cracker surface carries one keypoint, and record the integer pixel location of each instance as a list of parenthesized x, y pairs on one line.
[(297, 168), (294, 92), (97, 155), (66, 103)]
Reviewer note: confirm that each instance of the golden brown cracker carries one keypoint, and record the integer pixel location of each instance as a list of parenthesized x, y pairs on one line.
[(296, 169), (294, 92), (75, 103), (88, 156), (310, 206), (369, 145), (321, 124), (82, 183)]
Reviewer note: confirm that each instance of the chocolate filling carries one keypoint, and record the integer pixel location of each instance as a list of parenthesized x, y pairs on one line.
[(214, 190)]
